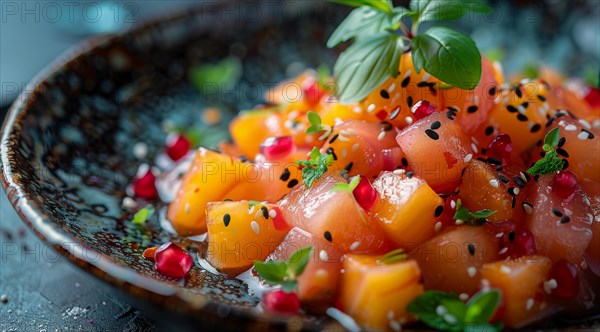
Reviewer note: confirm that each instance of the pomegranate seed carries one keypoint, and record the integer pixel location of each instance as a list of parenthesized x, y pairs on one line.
[(177, 146), (144, 183), (281, 302), (274, 148), (172, 261), (500, 148), (381, 115), (525, 243), (592, 97), (564, 184), (364, 193), (313, 93), (278, 221), (149, 253), (422, 109), (567, 279)]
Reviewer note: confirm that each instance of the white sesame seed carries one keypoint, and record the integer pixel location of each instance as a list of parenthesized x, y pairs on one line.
[(528, 209), (499, 234), (354, 245), (583, 135), (485, 284), (408, 120), (140, 150), (568, 212), (344, 153), (494, 183), (441, 310), (570, 127), (344, 132), (394, 325), (343, 138), (438, 226), (476, 100), (521, 109), (255, 227), (474, 147), (505, 269), (272, 213), (467, 158), (515, 191), (251, 209), (453, 204), (459, 222), (355, 147), (426, 77), (399, 171), (258, 214), (371, 108), (351, 131), (187, 208), (550, 285), (407, 74), (129, 203), (472, 271), (381, 136), (357, 109), (585, 124), (323, 255), (502, 251), (523, 176), (529, 304), (392, 87), (463, 296)]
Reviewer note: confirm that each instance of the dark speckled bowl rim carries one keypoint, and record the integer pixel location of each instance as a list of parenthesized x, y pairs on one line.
[(102, 266)]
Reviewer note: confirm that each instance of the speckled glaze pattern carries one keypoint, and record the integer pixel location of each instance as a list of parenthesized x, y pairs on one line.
[(67, 143)]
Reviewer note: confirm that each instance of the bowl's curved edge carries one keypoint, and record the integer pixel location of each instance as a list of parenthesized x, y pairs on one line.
[(101, 266)]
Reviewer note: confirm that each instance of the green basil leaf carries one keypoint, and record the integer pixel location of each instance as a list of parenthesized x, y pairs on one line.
[(298, 261), (552, 137), (455, 307), (435, 10), (381, 5), (273, 272), (366, 64), (425, 307), (449, 55), (363, 21), (482, 306), (482, 213), (141, 216)]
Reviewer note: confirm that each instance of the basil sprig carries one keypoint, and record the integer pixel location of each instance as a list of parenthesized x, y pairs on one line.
[(381, 36), (284, 273)]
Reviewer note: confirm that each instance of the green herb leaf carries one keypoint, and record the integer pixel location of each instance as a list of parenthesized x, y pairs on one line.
[(323, 75), (363, 21), (347, 187), (315, 167), (435, 10), (252, 203), (550, 164), (381, 5), (315, 123), (142, 215), (284, 273), (425, 307), (366, 65), (552, 137), (476, 218), (448, 55), (394, 256), (482, 306)]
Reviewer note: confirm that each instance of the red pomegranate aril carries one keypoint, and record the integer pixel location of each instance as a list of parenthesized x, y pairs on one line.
[(525, 243), (281, 302), (381, 115), (313, 93), (177, 146), (422, 109), (144, 185), (172, 261), (149, 253), (592, 97), (278, 221), (274, 148), (567, 279), (564, 184), (364, 193), (500, 148)]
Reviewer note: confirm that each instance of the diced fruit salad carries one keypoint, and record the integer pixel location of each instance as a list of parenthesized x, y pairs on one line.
[(421, 202)]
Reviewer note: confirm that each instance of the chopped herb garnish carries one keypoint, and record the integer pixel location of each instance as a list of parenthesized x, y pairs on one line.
[(476, 218), (143, 215), (551, 162), (284, 273), (446, 312), (252, 203), (394, 256), (381, 36), (347, 186), (316, 126), (314, 167)]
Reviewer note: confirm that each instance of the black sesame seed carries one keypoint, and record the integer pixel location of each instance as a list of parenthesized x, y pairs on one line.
[(511, 236), (590, 135), (565, 164), (422, 84), (404, 162), (503, 178), (541, 98), (285, 175), (432, 134), (332, 153), (292, 183), (493, 161), (565, 219), (327, 236), (226, 219), (511, 109), (562, 152), (405, 81), (514, 202), (471, 248), (525, 104), (527, 177), (333, 138), (549, 122), (435, 125), (409, 174), (265, 212), (349, 166), (492, 91), (472, 109), (522, 117), (511, 191), (557, 212), (409, 101), (518, 91), (384, 94), (489, 130), (483, 150), (395, 113), (228, 200), (438, 211), (519, 181), (386, 125), (535, 128), (499, 168)]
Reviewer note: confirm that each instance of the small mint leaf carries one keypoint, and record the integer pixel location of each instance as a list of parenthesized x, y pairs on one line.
[(552, 137), (347, 187), (272, 272), (550, 164), (298, 261), (482, 306)]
